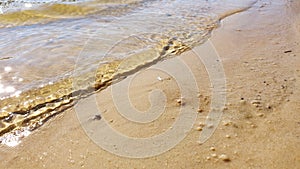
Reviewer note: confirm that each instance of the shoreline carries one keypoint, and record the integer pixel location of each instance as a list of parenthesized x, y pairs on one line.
[(252, 134), (29, 109)]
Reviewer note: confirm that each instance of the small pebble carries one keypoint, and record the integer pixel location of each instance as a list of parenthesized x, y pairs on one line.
[(255, 102), (288, 51), (200, 110), (227, 136), (159, 78), (224, 157), (179, 101), (212, 148), (199, 128), (97, 117), (200, 143), (269, 107), (227, 123), (214, 155), (201, 124)]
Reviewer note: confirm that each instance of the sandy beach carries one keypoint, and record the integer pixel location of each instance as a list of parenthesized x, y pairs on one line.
[(259, 128)]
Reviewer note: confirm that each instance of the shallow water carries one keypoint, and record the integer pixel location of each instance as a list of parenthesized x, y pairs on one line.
[(54, 53)]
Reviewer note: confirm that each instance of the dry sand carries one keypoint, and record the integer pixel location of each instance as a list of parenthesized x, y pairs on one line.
[(260, 52)]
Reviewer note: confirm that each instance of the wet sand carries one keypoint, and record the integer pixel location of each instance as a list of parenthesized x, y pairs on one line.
[(259, 49)]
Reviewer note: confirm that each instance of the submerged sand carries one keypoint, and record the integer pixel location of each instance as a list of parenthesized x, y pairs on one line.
[(259, 49)]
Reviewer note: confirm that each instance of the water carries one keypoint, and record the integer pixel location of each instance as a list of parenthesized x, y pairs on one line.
[(56, 52)]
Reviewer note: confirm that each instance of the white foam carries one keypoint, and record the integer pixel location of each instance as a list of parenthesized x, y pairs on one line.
[(7, 68), (14, 139), (27, 5)]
